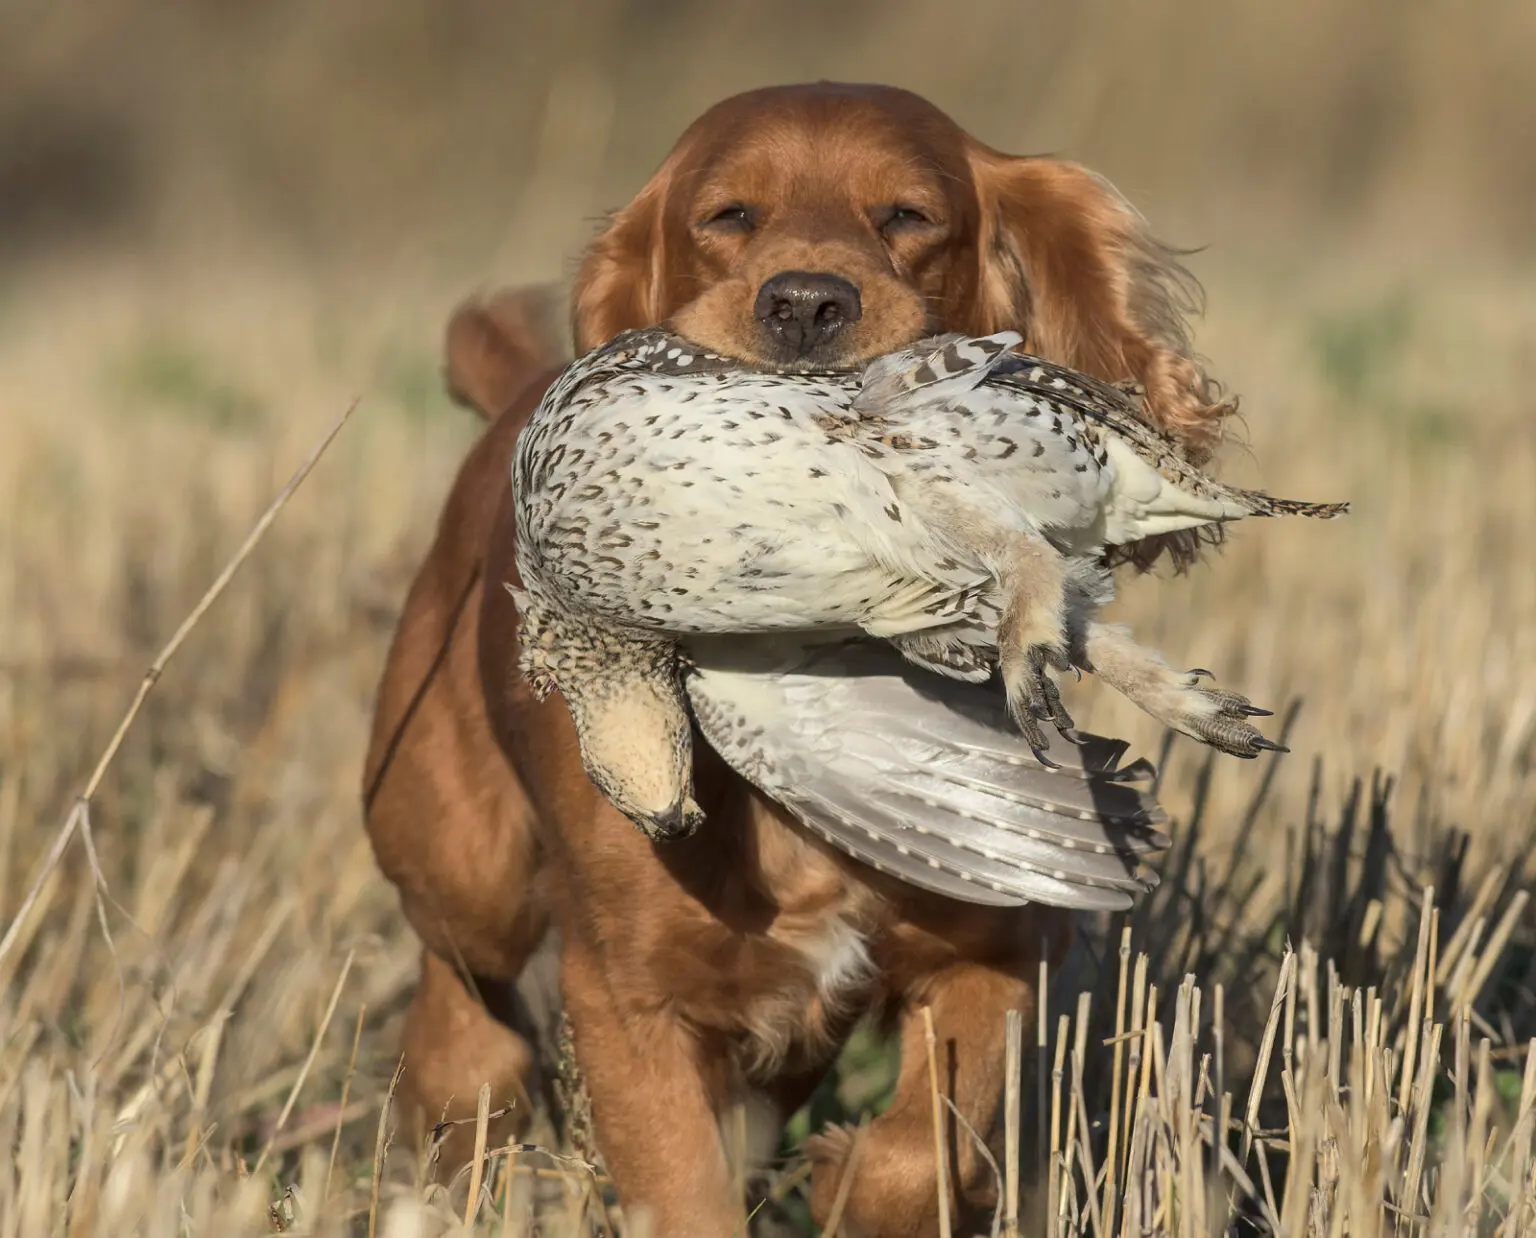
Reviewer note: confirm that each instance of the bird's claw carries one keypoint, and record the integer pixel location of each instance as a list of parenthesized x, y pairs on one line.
[(1033, 698), (1040, 756), (1221, 719), (1034, 736)]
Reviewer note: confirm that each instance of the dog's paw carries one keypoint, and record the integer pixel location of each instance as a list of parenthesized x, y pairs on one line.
[(831, 1146)]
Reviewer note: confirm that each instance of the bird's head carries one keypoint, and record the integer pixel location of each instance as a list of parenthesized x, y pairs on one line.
[(637, 748), (624, 694)]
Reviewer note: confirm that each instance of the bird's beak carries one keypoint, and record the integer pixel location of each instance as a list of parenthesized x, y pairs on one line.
[(679, 821)]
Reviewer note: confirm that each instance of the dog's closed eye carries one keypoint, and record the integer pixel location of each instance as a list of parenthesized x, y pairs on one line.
[(901, 218), (736, 217)]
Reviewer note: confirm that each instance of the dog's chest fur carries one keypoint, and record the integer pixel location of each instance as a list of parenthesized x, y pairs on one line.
[(825, 929)]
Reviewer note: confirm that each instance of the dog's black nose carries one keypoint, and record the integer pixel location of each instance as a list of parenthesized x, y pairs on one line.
[(804, 309)]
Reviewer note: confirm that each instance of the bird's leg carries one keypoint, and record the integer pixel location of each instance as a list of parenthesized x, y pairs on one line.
[(1032, 637), (625, 695), (1177, 699)]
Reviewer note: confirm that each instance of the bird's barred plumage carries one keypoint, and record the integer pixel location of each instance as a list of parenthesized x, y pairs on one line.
[(957, 499)]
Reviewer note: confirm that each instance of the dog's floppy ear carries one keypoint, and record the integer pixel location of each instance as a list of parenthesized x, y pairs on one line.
[(621, 284), (1065, 260), (496, 345)]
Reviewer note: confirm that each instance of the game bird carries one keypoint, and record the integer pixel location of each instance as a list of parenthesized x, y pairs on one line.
[(956, 499)]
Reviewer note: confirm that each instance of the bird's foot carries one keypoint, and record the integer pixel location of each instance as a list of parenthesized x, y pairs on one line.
[(1033, 697), (1214, 716)]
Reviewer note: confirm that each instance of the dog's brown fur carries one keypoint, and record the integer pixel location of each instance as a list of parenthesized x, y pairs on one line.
[(730, 966)]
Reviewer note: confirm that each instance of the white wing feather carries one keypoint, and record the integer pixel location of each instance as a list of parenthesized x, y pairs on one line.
[(924, 778)]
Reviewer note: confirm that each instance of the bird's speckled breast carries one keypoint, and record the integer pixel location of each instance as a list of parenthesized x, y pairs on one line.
[(671, 488)]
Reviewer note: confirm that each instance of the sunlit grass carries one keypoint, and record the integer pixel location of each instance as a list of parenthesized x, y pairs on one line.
[(140, 441)]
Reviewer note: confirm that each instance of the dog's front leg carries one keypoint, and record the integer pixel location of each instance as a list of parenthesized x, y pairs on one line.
[(968, 979), (654, 1108)]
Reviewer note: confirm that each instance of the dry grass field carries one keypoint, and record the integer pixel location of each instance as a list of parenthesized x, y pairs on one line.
[(218, 226)]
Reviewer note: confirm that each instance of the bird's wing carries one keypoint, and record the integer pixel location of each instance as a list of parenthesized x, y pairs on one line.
[(923, 778), (934, 367)]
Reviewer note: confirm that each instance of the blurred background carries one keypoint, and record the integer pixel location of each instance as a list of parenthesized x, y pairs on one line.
[(220, 221), (466, 138)]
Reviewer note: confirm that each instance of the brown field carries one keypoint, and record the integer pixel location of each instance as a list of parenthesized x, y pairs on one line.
[(218, 225)]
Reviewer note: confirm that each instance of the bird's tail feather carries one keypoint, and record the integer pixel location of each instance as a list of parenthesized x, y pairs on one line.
[(1261, 504)]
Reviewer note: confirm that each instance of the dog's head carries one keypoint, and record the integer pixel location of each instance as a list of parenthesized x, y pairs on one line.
[(821, 225)]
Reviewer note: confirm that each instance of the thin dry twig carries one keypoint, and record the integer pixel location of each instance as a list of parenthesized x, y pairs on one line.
[(477, 1166), (77, 821), (1013, 1040), (845, 1181), (314, 1052), (300, 1136), (381, 1147), (939, 1167), (985, 1153), (341, 1107), (1107, 1207)]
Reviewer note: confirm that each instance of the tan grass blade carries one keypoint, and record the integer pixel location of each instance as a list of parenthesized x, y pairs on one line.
[(1107, 1207), (1054, 1203), (845, 1181), (477, 1166), (1042, 1075), (341, 1105), (1013, 1042), (1266, 1049), (381, 1147), (309, 1061), (1473, 988), (940, 1167)]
